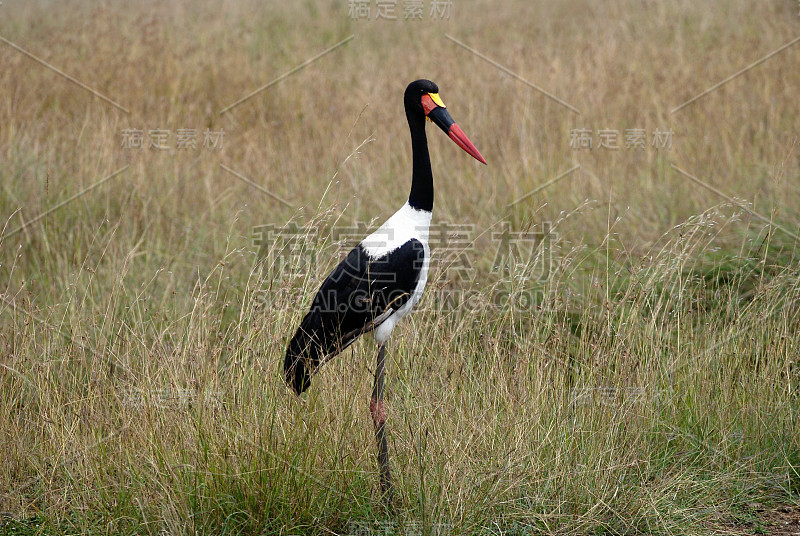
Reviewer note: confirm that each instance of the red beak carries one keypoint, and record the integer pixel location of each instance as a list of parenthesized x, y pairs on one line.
[(461, 139), (441, 118)]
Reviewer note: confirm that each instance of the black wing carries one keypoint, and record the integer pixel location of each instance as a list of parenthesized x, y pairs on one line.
[(356, 297)]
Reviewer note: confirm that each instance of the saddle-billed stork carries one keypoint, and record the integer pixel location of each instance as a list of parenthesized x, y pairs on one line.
[(383, 277)]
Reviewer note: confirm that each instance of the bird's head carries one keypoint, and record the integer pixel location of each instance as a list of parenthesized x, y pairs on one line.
[(422, 99)]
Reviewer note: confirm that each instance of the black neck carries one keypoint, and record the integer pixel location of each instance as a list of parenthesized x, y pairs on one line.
[(421, 197)]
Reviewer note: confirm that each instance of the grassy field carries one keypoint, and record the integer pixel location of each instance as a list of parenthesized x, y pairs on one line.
[(615, 353)]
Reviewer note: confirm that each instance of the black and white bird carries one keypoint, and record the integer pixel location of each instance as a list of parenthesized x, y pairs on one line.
[(383, 277)]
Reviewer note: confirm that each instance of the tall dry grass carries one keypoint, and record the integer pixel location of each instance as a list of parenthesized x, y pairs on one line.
[(644, 381)]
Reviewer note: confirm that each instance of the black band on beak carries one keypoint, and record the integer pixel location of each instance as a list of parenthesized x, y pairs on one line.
[(441, 117)]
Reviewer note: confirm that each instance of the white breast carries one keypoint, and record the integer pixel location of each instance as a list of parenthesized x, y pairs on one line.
[(406, 224)]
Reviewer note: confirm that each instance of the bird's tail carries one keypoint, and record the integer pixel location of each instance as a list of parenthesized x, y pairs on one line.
[(315, 341), (302, 357)]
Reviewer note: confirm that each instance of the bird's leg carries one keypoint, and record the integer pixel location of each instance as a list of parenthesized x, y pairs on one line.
[(378, 412)]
